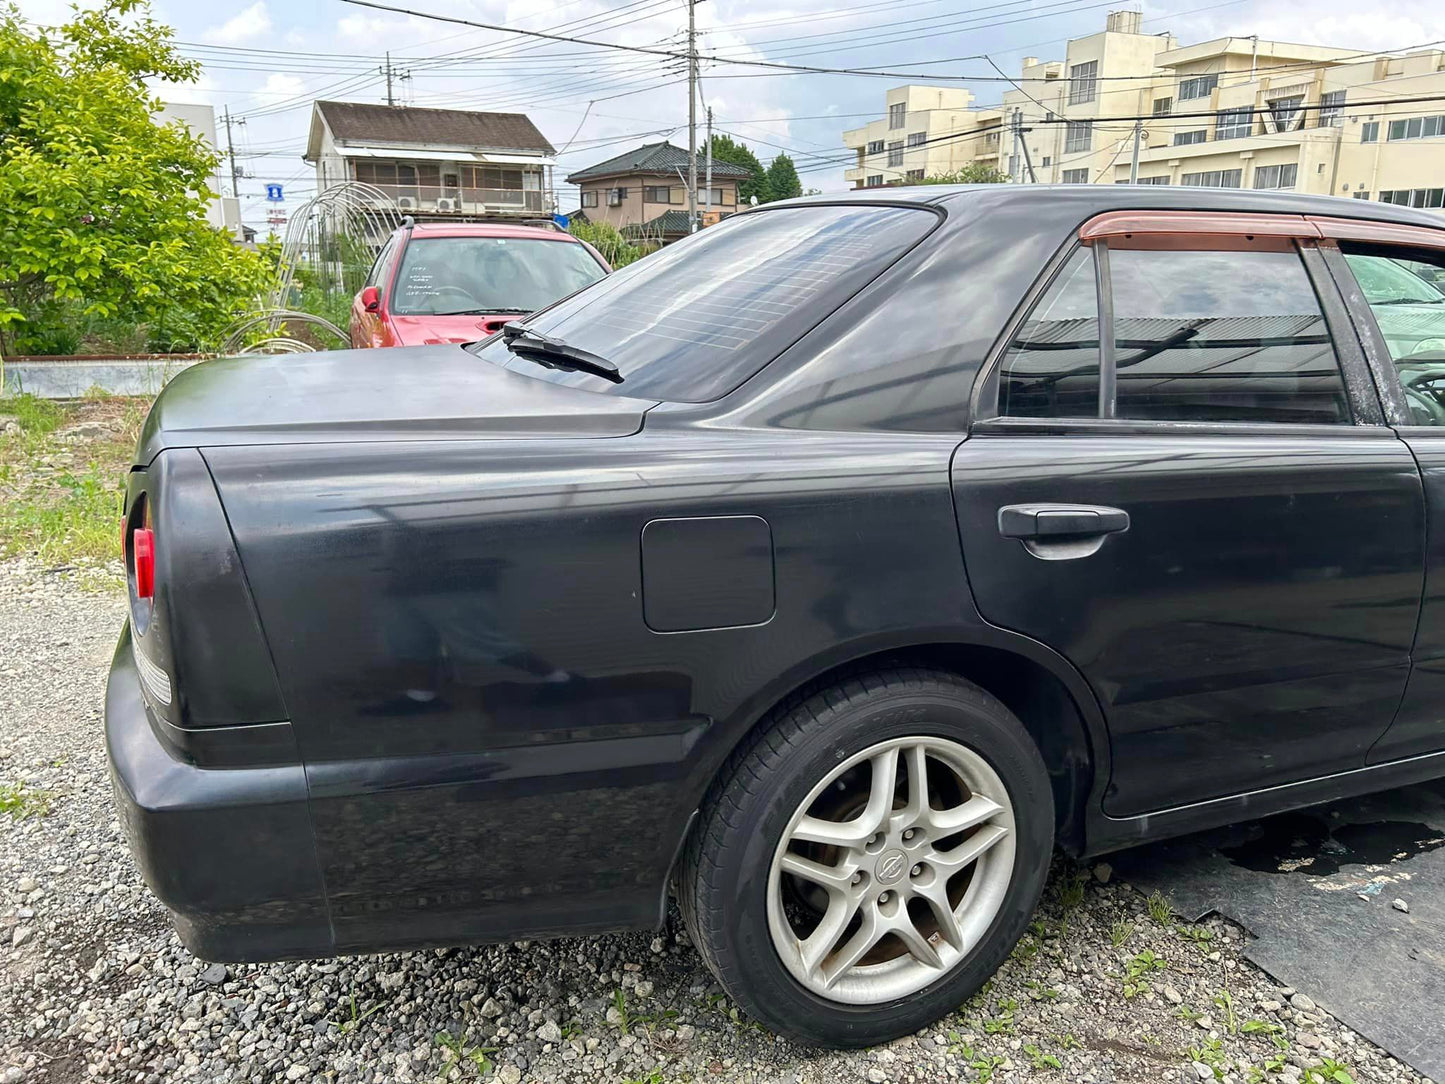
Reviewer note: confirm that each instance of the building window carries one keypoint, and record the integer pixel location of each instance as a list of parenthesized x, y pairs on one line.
[(1047, 161), (1163, 106), (895, 154), (1417, 128), (1275, 176), (875, 181), (1233, 123), (915, 175), (1075, 176), (875, 146), (1414, 197), (1332, 109), (1078, 136), (589, 199), (1200, 86), (656, 194), (897, 114), (1286, 111), (1163, 178), (1361, 194), (1083, 79), (1199, 135), (1370, 131), (1214, 178), (917, 139)]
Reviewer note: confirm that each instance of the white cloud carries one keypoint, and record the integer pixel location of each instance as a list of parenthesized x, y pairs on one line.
[(279, 85), (252, 23)]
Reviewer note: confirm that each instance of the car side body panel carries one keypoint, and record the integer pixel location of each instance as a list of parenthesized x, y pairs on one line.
[(495, 740), (480, 761)]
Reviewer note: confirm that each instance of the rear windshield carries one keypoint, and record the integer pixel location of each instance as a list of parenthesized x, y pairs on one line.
[(690, 323), (489, 274)]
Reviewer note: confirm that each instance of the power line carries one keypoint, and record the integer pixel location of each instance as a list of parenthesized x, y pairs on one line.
[(999, 126)]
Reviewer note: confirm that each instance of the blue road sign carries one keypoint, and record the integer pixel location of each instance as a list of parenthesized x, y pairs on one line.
[(273, 193)]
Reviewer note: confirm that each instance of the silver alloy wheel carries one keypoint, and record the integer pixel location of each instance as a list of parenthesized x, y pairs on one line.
[(874, 891)]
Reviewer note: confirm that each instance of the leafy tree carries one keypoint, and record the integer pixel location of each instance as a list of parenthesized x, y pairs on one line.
[(973, 173), (725, 149), (606, 239), (783, 180), (102, 210)]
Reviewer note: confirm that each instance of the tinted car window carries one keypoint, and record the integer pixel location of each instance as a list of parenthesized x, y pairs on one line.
[(693, 321), (1404, 290), (489, 274), (1222, 336), (1051, 369)]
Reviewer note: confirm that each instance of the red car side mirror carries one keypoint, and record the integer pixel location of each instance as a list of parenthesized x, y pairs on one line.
[(371, 299)]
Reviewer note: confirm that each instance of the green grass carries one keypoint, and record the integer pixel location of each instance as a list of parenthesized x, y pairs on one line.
[(456, 1052), (347, 1024), (22, 803), (1159, 909), (36, 416), (60, 501)]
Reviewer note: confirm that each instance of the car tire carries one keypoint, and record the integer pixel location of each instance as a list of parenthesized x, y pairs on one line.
[(751, 916)]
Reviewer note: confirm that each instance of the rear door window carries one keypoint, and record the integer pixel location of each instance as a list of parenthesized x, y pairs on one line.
[(693, 321), (1200, 334), (1222, 336)]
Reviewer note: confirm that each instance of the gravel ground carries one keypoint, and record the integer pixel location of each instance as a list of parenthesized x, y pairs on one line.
[(94, 985)]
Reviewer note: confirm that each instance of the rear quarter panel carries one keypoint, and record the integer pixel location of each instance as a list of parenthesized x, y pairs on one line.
[(495, 742)]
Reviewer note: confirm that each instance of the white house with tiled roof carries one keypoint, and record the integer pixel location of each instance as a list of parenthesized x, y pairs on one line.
[(438, 164)]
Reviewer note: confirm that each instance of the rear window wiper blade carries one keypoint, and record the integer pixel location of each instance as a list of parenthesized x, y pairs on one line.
[(556, 354)]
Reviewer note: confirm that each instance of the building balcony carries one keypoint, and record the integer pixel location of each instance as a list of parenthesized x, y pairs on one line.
[(447, 200)]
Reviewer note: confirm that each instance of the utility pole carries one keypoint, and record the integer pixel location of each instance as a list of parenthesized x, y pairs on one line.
[(231, 153), (1134, 163), (1014, 160), (707, 199), (1028, 158), (391, 73), (692, 116)]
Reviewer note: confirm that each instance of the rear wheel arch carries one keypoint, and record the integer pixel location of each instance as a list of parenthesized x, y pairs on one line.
[(1040, 688)]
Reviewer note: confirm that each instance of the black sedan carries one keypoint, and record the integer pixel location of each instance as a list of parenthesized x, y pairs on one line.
[(826, 569)]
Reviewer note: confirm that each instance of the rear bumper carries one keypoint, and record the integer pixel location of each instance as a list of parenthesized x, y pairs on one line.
[(229, 851)]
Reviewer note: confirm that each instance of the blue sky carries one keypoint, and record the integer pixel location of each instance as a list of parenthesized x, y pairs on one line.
[(266, 60)]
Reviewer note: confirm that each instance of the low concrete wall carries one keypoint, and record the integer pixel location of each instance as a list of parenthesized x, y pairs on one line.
[(71, 378)]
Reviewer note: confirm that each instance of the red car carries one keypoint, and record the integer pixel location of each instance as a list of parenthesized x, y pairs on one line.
[(444, 283)]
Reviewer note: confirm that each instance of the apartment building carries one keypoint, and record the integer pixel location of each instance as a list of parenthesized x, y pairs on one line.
[(1232, 112), (924, 132)]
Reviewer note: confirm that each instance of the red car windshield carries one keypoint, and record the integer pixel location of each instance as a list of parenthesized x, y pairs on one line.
[(441, 275)]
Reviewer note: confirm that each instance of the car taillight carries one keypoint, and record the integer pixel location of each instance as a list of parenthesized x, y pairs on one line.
[(143, 548)]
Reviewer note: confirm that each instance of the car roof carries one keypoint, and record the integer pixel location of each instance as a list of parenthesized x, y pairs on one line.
[(1093, 198), (487, 229)]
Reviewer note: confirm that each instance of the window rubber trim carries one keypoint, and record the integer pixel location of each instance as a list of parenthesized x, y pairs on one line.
[(1185, 229)]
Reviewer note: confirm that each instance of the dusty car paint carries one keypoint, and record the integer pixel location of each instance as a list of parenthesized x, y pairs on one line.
[(492, 741)]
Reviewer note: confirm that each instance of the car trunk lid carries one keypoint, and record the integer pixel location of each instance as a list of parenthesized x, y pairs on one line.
[(407, 393)]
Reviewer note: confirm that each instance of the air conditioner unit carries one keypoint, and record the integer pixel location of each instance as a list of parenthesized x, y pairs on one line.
[(406, 203), (446, 204)]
